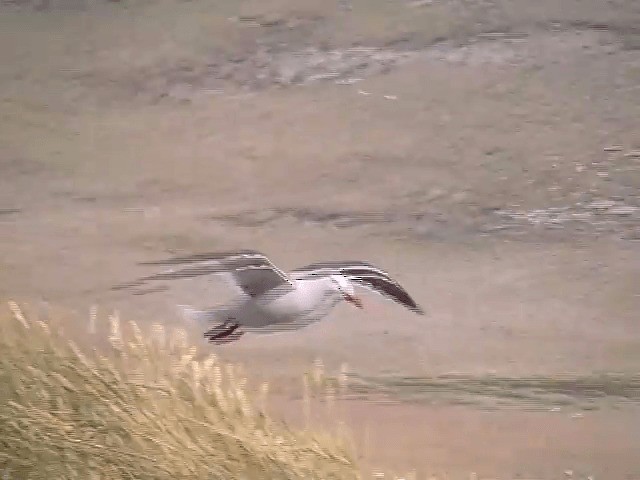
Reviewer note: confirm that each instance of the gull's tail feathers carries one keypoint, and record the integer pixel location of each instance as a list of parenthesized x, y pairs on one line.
[(193, 315)]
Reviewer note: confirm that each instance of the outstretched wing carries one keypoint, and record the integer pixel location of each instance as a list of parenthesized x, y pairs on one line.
[(363, 274), (251, 270)]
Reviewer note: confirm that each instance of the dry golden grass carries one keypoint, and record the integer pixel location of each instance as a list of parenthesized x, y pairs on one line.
[(143, 409)]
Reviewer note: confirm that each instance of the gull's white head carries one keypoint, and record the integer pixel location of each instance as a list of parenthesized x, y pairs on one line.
[(345, 288)]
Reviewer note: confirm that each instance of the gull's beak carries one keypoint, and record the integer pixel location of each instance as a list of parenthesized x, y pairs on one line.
[(355, 300)]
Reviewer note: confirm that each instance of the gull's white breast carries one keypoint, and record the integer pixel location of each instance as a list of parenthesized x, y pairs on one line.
[(286, 304)]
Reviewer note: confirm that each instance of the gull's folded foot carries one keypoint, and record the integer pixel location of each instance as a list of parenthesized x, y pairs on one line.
[(222, 333)]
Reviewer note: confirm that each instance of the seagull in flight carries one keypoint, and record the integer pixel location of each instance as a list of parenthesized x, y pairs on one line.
[(270, 300)]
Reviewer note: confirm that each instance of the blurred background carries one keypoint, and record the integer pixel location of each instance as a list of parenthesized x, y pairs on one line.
[(486, 153)]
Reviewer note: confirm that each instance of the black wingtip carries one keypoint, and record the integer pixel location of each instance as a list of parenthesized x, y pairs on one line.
[(419, 310), (125, 286), (199, 257)]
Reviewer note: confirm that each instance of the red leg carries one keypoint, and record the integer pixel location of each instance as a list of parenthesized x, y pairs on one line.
[(215, 335), (229, 338)]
